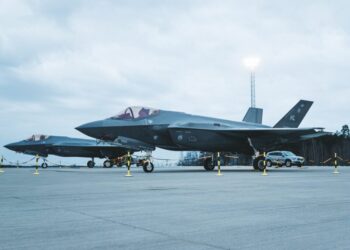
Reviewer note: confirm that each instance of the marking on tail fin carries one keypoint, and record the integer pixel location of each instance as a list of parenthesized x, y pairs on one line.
[(295, 116)]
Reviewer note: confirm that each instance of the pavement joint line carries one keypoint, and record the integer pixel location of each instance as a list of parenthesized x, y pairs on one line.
[(150, 230), (125, 224)]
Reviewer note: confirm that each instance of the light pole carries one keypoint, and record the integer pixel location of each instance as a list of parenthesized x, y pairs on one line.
[(252, 63)]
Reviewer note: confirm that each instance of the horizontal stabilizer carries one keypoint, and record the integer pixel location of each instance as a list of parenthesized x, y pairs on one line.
[(314, 136), (295, 116), (254, 115)]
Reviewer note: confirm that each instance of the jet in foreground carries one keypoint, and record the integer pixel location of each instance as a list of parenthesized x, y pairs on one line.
[(44, 145), (184, 132)]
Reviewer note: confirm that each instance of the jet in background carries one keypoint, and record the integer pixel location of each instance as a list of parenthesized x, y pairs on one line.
[(184, 132), (44, 145)]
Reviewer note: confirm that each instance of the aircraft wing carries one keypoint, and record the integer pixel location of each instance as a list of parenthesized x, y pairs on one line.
[(249, 132), (102, 145)]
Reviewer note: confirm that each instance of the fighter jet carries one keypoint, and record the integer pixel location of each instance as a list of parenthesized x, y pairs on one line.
[(184, 132), (44, 145)]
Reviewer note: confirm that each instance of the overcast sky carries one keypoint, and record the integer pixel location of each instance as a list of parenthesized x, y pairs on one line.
[(64, 63)]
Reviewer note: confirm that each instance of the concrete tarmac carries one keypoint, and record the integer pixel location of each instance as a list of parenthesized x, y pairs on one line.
[(175, 208)]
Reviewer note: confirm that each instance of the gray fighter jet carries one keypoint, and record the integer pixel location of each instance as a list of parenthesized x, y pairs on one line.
[(184, 132), (44, 145)]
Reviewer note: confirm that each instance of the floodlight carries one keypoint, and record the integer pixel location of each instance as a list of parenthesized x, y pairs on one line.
[(251, 62)]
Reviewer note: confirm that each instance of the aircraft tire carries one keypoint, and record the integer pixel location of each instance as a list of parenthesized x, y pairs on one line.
[(258, 163), (148, 167), (208, 164), (107, 164), (44, 165), (90, 164)]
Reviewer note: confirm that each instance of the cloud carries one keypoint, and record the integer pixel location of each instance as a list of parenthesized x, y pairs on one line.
[(76, 61)]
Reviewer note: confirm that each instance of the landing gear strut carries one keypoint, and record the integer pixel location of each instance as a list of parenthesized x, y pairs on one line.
[(258, 161)]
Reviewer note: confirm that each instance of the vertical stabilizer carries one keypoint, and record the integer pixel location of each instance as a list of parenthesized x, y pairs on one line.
[(254, 115), (295, 116)]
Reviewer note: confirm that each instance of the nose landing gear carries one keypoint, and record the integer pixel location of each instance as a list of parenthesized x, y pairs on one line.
[(147, 166)]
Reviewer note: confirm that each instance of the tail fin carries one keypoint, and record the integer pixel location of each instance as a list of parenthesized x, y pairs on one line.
[(295, 116), (254, 115)]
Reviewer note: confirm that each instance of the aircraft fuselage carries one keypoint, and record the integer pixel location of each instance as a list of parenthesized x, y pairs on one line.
[(157, 130)]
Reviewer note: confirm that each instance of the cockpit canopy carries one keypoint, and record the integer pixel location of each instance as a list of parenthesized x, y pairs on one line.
[(132, 113), (37, 138)]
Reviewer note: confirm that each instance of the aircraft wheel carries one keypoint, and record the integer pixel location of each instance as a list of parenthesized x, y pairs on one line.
[(90, 164), (258, 163), (148, 167), (107, 164), (208, 164), (44, 165), (288, 163)]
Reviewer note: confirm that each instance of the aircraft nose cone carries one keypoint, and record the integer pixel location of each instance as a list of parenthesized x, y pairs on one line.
[(11, 146), (91, 129)]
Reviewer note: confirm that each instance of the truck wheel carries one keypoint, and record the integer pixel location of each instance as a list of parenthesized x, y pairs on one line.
[(44, 165), (288, 163)]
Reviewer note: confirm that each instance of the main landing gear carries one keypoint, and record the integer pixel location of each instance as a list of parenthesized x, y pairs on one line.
[(91, 164), (258, 163), (209, 164)]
